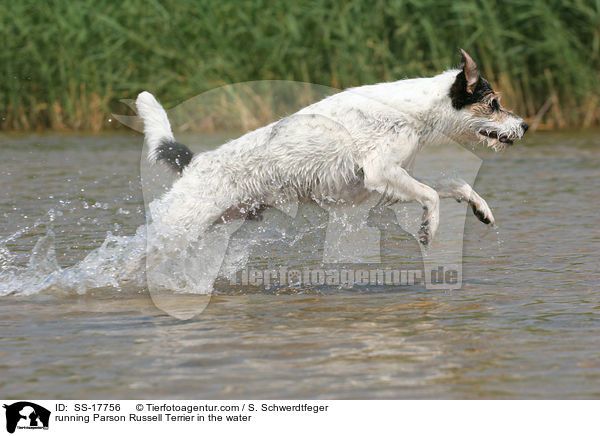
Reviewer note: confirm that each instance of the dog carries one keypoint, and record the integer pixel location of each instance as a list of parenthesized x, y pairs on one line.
[(359, 142)]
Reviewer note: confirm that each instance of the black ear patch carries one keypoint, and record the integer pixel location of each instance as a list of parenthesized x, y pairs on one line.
[(461, 98)]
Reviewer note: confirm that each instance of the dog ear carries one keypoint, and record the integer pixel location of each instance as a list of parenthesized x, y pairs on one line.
[(469, 67)]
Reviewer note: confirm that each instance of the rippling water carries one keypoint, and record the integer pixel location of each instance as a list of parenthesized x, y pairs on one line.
[(526, 323)]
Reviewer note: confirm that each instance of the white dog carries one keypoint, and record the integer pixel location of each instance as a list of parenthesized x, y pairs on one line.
[(360, 141)]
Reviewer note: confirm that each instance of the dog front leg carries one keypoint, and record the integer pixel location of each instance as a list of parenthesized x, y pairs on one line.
[(462, 191), (395, 183)]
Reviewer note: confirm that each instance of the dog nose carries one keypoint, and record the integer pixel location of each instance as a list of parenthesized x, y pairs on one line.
[(525, 126)]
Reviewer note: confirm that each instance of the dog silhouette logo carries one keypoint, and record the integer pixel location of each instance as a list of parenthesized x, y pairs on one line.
[(26, 415)]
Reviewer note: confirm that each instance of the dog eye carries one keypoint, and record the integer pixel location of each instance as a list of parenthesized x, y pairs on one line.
[(495, 105)]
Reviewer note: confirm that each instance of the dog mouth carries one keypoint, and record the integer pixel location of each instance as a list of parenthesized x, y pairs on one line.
[(494, 135)]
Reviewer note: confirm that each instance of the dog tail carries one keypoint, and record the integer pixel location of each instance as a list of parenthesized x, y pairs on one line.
[(159, 135)]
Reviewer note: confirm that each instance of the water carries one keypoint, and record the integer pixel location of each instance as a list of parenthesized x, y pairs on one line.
[(77, 322)]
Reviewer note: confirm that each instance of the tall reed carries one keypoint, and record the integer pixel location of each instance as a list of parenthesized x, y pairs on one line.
[(65, 65)]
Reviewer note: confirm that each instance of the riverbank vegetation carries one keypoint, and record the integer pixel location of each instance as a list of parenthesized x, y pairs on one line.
[(66, 65)]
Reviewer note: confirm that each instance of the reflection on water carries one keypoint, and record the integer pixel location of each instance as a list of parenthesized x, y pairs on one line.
[(525, 324)]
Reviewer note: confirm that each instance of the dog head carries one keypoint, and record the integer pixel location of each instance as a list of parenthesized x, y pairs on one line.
[(482, 116)]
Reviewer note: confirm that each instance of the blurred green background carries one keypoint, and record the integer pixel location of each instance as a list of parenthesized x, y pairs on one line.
[(65, 65)]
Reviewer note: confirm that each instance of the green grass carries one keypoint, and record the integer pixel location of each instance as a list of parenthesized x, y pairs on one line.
[(65, 65)]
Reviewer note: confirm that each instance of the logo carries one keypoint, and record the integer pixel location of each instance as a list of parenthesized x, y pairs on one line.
[(26, 415)]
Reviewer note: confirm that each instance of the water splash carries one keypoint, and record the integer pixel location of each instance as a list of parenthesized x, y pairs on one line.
[(121, 263), (117, 265), (160, 260)]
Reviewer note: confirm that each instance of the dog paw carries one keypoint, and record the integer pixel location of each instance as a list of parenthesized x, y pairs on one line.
[(424, 234), (481, 209)]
